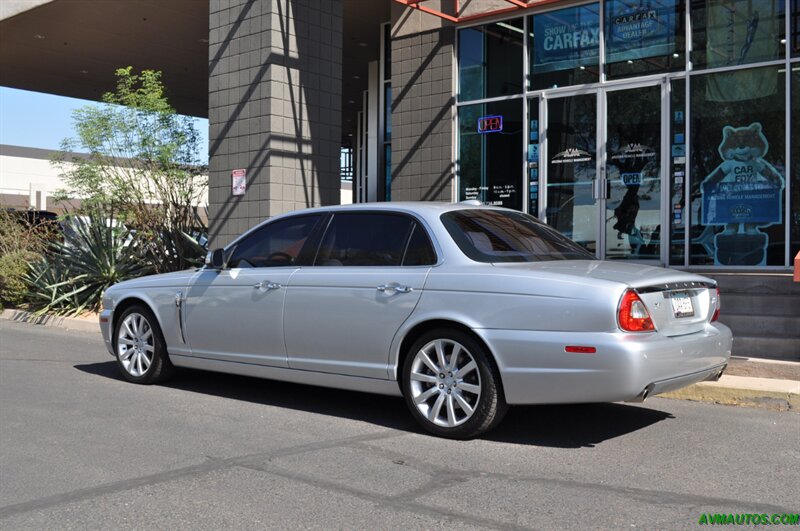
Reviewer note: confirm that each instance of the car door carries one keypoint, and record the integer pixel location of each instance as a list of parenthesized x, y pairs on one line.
[(341, 314), (236, 314)]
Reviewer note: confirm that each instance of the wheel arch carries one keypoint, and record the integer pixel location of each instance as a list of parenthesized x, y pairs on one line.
[(127, 302), (422, 327)]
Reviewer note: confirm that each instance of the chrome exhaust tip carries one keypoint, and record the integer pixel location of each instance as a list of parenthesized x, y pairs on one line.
[(717, 375), (641, 397)]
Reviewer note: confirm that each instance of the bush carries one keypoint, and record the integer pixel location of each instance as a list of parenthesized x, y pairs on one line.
[(96, 253), (13, 267)]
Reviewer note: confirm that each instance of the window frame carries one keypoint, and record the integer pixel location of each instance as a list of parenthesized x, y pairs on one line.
[(415, 222)]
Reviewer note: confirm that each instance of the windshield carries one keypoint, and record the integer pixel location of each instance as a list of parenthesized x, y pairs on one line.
[(501, 236)]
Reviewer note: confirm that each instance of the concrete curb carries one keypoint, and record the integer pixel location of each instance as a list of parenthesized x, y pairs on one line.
[(68, 323), (765, 393)]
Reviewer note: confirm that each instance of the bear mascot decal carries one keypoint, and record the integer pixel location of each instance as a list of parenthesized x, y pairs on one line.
[(742, 194)]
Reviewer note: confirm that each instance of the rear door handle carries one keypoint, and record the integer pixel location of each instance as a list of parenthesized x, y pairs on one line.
[(395, 287), (266, 285)]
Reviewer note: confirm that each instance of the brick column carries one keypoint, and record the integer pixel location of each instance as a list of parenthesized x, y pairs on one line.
[(275, 86), (423, 107)]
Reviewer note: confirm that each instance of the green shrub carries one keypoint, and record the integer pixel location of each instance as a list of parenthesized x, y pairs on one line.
[(13, 267), (73, 275)]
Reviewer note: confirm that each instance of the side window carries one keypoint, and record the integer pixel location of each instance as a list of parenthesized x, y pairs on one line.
[(274, 245), (365, 239), (420, 250)]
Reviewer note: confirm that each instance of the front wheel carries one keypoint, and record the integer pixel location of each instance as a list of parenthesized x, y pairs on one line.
[(452, 385), (140, 347)]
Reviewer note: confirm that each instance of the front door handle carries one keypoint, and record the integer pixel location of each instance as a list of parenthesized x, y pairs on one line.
[(266, 285), (395, 287)]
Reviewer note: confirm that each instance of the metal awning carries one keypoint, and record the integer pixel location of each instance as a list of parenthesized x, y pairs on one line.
[(455, 13)]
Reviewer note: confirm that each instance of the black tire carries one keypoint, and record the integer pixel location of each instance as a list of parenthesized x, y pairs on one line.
[(490, 406), (160, 367)]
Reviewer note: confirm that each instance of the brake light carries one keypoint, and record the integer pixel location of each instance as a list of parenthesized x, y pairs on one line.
[(633, 315), (716, 310)]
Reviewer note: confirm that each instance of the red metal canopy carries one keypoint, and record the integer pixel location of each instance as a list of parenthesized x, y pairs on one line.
[(456, 17)]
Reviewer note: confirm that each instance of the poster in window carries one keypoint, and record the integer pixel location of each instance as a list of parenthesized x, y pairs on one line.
[(639, 29), (566, 39), (742, 194)]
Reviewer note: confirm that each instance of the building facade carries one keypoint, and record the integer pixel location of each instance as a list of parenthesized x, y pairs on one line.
[(656, 131)]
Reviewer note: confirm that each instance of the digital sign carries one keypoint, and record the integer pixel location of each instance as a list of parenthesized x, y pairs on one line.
[(490, 124)]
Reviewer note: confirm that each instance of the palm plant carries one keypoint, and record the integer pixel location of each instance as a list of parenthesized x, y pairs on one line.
[(95, 254)]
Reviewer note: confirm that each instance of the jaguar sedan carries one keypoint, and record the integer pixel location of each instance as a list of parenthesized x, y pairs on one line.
[(461, 309)]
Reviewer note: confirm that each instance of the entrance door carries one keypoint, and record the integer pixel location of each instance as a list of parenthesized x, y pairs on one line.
[(603, 162), (633, 172), (571, 167)]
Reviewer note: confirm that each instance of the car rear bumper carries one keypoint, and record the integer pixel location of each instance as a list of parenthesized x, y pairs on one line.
[(536, 369)]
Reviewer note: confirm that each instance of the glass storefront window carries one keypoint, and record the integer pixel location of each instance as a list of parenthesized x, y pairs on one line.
[(533, 156), (564, 47), (490, 153), (738, 143), (794, 43), (677, 172), (736, 32), (794, 246), (490, 60), (644, 36)]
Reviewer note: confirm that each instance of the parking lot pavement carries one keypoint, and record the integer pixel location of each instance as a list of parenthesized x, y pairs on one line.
[(81, 448)]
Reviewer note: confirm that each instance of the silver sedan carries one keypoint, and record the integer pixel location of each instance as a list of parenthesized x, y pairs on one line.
[(461, 309)]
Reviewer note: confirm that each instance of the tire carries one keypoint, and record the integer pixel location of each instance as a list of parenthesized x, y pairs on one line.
[(441, 399), (140, 348)]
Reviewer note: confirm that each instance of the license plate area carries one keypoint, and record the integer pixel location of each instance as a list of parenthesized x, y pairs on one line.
[(681, 304)]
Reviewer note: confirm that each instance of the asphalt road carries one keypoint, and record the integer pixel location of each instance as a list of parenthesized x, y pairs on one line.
[(82, 449)]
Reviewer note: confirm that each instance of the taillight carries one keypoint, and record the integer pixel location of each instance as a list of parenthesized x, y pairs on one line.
[(716, 309), (633, 315)]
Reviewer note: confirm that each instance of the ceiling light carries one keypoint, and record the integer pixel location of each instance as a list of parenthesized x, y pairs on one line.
[(676, 55), (363, 44), (582, 67), (630, 62), (356, 77), (351, 101), (38, 36), (204, 41), (83, 71)]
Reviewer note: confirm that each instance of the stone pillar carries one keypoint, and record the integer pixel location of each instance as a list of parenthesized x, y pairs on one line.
[(275, 87), (423, 106)]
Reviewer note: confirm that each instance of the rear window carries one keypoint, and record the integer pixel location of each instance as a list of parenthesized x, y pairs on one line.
[(500, 236)]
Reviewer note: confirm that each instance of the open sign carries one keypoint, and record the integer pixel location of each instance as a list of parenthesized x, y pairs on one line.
[(490, 124)]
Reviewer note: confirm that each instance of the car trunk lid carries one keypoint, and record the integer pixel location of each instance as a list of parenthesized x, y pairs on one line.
[(678, 302)]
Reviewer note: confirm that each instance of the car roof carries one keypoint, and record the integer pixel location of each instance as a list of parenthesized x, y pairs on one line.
[(423, 208)]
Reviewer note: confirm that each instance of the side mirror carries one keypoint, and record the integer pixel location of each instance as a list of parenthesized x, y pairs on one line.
[(216, 259)]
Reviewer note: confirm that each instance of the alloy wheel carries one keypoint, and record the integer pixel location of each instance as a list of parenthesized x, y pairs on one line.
[(445, 383), (135, 344)]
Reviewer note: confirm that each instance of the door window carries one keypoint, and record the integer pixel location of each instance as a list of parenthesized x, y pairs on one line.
[(274, 245), (365, 239)]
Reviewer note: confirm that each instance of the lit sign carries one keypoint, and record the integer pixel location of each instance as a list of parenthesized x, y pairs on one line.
[(490, 124)]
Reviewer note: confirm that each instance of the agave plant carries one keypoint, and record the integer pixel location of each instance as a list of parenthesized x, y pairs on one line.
[(96, 253)]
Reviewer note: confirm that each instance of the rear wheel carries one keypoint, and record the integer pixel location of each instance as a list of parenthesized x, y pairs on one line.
[(140, 347), (452, 385)]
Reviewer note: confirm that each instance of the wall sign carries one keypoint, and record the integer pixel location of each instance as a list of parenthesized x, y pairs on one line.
[(239, 181), (640, 29), (490, 124), (566, 38)]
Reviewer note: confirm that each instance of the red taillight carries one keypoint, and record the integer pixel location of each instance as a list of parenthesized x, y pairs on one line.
[(580, 350), (716, 309), (633, 315)]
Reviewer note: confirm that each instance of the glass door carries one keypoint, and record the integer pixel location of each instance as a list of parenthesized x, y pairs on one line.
[(633, 170), (571, 199)]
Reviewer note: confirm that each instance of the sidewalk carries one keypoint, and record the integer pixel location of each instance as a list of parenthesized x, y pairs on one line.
[(748, 382)]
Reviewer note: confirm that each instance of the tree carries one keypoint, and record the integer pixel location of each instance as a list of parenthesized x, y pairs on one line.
[(139, 163)]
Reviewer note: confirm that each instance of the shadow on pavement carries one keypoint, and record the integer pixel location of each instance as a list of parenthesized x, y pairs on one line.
[(564, 426)]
